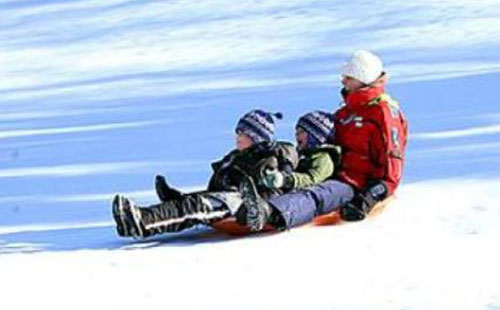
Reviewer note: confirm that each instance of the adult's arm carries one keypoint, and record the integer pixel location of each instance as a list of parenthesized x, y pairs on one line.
[(387, 144)]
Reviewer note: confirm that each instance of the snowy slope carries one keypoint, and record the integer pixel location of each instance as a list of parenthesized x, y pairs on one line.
[(98, 97), (415, 255)]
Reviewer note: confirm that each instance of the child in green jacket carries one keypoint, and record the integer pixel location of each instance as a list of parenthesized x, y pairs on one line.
[(317, 158)]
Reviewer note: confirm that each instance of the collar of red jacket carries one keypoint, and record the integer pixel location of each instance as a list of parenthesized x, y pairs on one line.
[(356, 99)]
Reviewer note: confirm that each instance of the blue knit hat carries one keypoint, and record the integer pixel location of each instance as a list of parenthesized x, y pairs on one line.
[(258, 125), (319, 126)]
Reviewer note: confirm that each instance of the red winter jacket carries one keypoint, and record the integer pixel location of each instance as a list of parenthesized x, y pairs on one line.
[(372, 131)]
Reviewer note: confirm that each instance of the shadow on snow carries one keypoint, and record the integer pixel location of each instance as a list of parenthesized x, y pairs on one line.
[(100, 238)]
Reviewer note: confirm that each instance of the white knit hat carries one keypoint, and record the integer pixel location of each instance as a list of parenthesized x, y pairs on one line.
[(364, 66)]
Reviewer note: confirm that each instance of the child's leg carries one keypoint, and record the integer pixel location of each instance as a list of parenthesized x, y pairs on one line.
[(300, 207), (331, 195), (190, 210)]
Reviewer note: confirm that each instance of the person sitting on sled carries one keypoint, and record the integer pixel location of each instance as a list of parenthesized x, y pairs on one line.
[(372, 132), (317, 158), (316, 164), (255, 152)]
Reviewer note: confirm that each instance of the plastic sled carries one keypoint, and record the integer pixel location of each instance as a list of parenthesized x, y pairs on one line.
[(229, 226), (333, 218)]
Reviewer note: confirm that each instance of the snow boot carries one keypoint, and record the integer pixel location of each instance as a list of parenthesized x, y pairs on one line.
[(122, 226), (128, 218), (164, 191), (258, 211)]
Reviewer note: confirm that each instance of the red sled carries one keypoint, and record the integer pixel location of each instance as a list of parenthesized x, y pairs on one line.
[(334, 218), (229, 225)]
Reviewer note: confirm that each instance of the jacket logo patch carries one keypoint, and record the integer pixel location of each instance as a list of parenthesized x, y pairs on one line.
[(394, 111), (395, 138), (358, 121), (347, 120)]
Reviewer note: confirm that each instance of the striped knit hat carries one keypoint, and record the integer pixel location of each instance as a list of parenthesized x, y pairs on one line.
[(319, 126), (258, 125)]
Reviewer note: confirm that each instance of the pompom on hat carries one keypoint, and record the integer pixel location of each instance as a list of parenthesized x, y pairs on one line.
[(258, 125), (363, 66)]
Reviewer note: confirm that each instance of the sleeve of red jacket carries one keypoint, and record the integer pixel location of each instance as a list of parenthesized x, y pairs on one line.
[(388, 145)]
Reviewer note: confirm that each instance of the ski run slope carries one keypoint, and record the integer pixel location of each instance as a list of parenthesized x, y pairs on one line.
[(96, 97)]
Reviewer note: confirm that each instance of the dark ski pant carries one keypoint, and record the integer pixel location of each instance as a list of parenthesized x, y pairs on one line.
[(301, 206), (190, 210)]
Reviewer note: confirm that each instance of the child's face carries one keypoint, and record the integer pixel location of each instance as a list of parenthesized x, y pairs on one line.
[(243, 141), (301, 137)]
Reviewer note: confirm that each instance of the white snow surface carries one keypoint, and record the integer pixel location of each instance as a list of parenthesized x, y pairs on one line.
[(96, 97), (432, 248)]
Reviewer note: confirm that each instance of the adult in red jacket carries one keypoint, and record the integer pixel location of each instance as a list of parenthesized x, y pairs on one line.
[(372, 132)]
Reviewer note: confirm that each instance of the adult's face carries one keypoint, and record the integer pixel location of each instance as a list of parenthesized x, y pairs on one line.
[(351, 84)]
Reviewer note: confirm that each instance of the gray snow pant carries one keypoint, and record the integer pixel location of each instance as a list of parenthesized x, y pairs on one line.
[(301, 206)]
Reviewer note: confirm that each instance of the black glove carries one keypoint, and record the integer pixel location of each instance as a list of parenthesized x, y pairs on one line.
[(363, 202)]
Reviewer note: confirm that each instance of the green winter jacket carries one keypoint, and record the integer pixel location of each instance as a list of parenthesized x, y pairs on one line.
[(315, 166)]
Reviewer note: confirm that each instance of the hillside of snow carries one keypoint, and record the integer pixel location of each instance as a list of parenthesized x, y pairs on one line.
[(96, 98)]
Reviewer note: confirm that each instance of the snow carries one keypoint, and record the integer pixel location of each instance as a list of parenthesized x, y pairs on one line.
[(97, 98), (428, 253)]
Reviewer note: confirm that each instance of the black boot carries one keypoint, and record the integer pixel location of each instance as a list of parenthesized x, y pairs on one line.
[(258, 211), (122, 226), (364, 201), (164, 191), (128, 218)]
